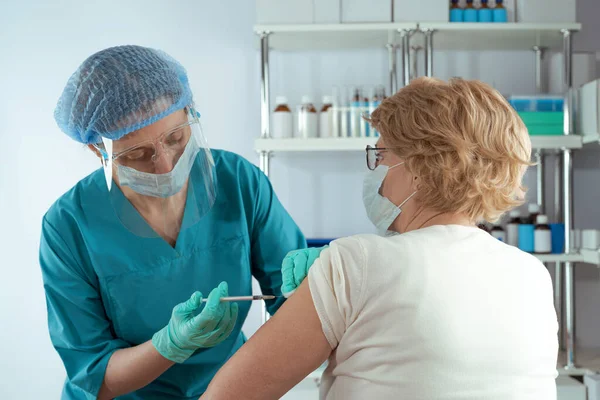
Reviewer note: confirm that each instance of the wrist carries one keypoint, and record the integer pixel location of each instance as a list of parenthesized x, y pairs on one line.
[(166, 347)]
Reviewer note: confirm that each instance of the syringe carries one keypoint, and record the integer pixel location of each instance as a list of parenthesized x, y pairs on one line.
[(245, 298)]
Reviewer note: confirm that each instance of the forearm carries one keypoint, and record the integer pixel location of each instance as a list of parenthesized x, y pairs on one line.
[(132, 369)]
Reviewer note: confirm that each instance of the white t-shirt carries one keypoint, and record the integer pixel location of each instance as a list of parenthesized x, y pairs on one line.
[(444, 312)]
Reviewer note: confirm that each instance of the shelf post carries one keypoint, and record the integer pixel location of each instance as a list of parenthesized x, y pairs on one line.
[(540, 86), (265, 132), (392, 65), (429, 52), (405, 56), (540, 184), (558, 267), (567, 209)]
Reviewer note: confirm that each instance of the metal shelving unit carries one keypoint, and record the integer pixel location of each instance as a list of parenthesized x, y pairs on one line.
[(449, 36)]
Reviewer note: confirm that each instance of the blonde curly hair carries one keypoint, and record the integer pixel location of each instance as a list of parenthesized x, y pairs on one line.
[(467, 145)]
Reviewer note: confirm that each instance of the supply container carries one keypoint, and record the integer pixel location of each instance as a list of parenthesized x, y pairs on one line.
[(308, 121), (542, 235), (499, 12), (512, 228), (498, 232), (470, 14), (356, 112), (283, 124), (326, 118), (558, 238), (589, 108), (485, 13), (526, 237), (457, 14)]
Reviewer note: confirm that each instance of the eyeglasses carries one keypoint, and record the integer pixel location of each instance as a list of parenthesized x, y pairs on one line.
[(373, 156), (142, 156)]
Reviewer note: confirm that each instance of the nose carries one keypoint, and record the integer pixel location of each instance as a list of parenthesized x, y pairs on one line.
[(163, 162)]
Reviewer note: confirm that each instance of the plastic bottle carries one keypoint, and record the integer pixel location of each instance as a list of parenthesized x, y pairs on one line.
[(326, 117), (484, 14), (512, 228), (542, 235), (457, 14), (499, 13), (308, 121), (356, 113), (534, 210), (283, 124), (376, 100), (470, 13), (498, 232)]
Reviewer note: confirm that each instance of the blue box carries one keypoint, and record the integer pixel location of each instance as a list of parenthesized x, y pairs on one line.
[(558, 238), (537, 103)]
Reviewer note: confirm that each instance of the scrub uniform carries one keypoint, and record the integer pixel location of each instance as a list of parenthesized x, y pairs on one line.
[(108, 289)]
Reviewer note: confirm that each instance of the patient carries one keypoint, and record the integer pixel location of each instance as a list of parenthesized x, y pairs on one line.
[(433, 308)]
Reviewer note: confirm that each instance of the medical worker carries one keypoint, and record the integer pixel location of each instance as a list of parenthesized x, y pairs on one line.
[(130, 252)]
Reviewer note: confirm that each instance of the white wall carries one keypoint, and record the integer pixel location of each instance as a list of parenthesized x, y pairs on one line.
[(42, 45)]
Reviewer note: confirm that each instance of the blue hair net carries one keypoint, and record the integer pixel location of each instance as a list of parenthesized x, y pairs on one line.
[(120, 90)]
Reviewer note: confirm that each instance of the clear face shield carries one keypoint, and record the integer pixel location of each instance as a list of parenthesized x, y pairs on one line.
[(161, 178)]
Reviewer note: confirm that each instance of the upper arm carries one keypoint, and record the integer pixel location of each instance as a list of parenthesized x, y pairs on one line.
[(274, 234), (79, 328), (285, 350)]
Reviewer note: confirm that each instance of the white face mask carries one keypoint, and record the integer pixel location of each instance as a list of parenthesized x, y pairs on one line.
[(380, 210)]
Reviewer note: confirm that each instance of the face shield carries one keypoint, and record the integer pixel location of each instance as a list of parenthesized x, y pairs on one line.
[(160, 182)]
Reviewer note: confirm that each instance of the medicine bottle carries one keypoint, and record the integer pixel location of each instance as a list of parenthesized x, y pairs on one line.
[(326, 117), (498, 232), (470, 12), (542, 236), (484, 14), (499, 13), (283, 124), (512, 228), (534, 210), (308, 122), (456, 13)]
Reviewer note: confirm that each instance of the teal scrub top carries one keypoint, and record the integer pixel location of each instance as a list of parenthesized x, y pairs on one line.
[(108, 289)]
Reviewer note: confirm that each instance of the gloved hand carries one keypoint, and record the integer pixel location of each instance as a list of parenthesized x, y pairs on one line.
[(186, 333), (295, 266)]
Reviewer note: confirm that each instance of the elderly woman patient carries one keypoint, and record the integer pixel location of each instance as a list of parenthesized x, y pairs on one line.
[(433, 308)]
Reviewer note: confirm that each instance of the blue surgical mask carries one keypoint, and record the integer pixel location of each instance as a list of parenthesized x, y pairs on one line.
[(380, 210), (161, 185)]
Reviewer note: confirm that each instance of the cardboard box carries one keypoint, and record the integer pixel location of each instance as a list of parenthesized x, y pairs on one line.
[(366, 11)]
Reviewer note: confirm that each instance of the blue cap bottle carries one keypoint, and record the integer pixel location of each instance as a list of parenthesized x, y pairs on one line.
[(470, 12), (456, 13), (484, 13), (499, 13)]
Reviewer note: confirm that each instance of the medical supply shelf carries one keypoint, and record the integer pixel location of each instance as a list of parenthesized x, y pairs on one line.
[(472, 36), (551, 142), (451, 36)]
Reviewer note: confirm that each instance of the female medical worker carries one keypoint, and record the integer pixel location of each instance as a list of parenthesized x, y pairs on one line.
[(438, 310), (127, 253)]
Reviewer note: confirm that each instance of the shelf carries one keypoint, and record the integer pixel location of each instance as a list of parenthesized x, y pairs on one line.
[(490, 36), (587, 361), (359, 144), (333, 36), (547, 258), (590, 256), (591, 139), (450, 36), (316, 144)]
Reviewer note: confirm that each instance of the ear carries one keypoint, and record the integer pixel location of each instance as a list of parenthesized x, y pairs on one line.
[(416, 182)]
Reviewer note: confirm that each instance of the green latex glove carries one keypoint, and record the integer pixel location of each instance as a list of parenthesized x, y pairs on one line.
[(295, 266), (187, 333)]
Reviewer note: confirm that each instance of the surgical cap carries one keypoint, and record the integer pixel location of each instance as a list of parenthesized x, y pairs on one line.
[(120, 90)]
